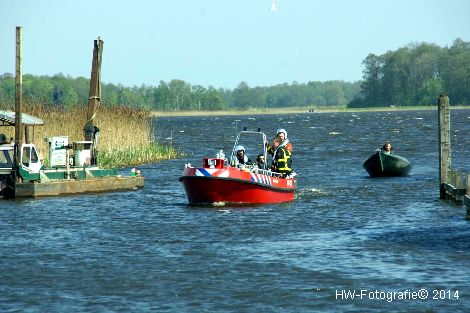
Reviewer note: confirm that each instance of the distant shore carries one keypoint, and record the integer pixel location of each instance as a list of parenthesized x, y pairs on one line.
[(295, 110)]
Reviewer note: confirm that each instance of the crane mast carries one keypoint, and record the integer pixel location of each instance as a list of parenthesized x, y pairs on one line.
[(90, 131)]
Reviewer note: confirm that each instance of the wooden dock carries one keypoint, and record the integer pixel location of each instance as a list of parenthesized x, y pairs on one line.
[(454, 185)]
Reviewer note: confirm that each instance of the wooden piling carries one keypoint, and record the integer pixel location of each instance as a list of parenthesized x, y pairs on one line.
[(456, 179), (468, 185), (444, 143), (18, 102), (466, 198)]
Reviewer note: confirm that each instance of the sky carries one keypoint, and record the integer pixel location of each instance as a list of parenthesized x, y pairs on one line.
[(221, 43)]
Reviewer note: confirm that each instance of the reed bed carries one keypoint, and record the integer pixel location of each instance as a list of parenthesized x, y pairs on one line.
[(126, 134)]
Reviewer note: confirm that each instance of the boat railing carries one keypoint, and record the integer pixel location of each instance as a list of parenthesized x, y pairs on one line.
[(265, 172)]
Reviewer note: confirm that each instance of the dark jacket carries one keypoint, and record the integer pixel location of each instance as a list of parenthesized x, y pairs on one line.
[(282, 162), (271, 149)]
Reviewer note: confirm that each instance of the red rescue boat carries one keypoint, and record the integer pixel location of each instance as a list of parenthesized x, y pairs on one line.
[(217, 182)]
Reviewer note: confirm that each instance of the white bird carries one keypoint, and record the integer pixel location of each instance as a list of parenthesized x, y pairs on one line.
[(273, 6)]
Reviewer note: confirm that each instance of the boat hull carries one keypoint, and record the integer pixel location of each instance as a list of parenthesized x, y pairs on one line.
[(71, 186), (235, 186), (381, 164)]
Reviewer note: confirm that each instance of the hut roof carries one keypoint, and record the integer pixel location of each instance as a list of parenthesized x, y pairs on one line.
[(7, 118)]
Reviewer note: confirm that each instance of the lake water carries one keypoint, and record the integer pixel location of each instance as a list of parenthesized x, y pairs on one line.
[(389, 240)]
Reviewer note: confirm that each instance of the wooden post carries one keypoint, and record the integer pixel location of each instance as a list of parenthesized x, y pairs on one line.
[(444, 143), (456, 179), (468, 185), (466, 198), (18, 102), (457, 183)]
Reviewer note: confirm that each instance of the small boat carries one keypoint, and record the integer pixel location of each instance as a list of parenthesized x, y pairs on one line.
[(217, 182), (383, 164)]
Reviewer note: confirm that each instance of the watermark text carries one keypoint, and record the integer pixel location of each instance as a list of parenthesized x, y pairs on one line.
[(390, 296)]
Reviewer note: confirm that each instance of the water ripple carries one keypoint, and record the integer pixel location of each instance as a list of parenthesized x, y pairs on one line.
[(148, 251)]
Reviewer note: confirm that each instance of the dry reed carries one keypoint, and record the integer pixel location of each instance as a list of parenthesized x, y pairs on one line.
[(126, 134)]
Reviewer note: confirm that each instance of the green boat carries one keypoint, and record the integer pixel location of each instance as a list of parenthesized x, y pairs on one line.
[(383, 164)]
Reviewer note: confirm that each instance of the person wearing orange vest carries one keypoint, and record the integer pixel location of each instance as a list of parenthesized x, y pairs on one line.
[(282, 133), (281, 158)]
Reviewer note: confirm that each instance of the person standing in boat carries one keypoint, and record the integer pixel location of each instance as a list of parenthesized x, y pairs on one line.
[(282, 161), (282, 133), (240, 157), (387, 148)]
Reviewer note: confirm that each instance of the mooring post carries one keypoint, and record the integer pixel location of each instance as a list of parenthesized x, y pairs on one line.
[(458, 184), (456, 179), (468, 185), (444, 143), (18, 101), (466, 198)]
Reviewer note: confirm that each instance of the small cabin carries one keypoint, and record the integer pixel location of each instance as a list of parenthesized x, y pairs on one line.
[(213, 163)]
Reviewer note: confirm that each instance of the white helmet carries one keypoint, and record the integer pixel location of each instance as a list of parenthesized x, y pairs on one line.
[(281, 130), (239, 147)]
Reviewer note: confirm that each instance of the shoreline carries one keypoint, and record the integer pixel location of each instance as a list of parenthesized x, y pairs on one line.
[(296, 110)]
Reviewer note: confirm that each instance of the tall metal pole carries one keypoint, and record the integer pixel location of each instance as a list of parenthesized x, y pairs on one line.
[(18, 101), (444, 143)]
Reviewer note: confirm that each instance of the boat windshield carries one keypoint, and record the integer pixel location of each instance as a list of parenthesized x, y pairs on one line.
[(253, 143)]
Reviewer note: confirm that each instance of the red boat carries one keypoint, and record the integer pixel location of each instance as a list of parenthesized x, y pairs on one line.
[(217, 182)]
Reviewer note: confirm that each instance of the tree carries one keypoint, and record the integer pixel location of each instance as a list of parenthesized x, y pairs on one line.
[(198, 94), (7, 88), (162, 97), (180, 93), (333, 94), (455, 71), (241, 96), (213, 100), (426, 95), (37, 88), (372, 75), (415, 74)]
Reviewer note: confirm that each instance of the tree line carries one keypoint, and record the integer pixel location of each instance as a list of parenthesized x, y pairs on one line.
[(413, 75), (178, 95)]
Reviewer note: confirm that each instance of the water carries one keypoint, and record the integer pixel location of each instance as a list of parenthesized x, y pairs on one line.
[(148, 250)]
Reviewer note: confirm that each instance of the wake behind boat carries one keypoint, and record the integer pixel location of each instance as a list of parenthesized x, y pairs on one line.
[(218, 182), (384, 164)]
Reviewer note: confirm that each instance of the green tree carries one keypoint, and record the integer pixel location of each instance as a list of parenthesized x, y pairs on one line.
[(180, 94), (426, 95), (198, 94), (334, 94), (213, 100), (241, 97), (7, 88), (372, 75), (455, 71), (162, 97), (37, 88)]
